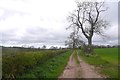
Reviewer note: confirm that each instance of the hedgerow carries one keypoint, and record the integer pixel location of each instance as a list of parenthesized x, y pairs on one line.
[(16, 64)]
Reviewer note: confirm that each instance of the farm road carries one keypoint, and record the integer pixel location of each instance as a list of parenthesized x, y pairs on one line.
[(75, 70), (72, 69)]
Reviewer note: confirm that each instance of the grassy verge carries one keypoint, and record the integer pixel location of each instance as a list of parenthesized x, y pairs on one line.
[(104, 65), (76, 57), (52, 68)]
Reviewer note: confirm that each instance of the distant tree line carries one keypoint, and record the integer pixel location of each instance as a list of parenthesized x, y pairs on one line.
[(105, 46), (69, 47), (34, 48)]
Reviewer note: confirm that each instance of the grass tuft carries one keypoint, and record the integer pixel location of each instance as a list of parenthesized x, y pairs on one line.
[(76, 57)]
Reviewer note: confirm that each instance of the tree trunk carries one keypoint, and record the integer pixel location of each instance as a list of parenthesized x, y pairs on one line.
[(89, 41), (89, 49)]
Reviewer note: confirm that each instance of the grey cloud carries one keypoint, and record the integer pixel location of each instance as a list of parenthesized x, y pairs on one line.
[(8, 13), (38, 35), (8, 35), (113, 40), (36, 30), (35, 35), (112, 12)]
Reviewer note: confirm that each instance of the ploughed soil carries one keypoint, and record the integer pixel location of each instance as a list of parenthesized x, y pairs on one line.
[(79, 70)]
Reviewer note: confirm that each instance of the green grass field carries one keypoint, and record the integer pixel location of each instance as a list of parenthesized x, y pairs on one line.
[(105, 60), (108, 54)]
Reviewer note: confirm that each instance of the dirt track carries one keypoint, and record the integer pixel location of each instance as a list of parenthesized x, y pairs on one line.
[(72, 68), (82, 70)]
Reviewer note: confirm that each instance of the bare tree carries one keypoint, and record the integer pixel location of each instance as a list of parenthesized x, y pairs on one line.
[(74, 40), (52, 47), (87, 18), (44, 47)]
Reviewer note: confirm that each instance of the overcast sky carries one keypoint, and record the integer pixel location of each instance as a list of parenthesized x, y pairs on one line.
[(43, 22)]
